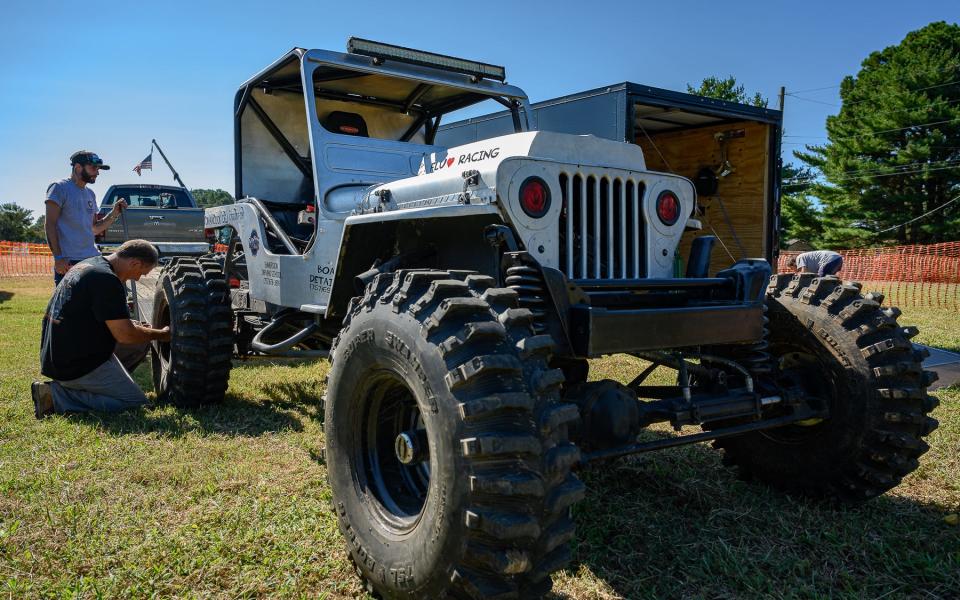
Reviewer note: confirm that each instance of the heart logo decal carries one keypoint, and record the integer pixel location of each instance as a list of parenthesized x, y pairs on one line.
[(450, 162)]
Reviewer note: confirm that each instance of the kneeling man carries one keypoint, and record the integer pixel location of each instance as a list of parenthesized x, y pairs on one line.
[(85, 320)]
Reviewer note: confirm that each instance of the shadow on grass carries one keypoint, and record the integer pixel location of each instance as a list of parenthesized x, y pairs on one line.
[(4, 296), (235, 417), (676, 523), (277, 407)]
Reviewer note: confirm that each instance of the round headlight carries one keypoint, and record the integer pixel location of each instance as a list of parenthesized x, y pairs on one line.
[(668, 207), (534, 197)]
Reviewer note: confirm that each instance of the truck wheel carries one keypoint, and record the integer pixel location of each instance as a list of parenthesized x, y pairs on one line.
[(851, 353), (193, 368), (446, 441)]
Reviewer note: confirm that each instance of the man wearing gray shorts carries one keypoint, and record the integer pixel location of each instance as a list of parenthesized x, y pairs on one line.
[(84, 320)]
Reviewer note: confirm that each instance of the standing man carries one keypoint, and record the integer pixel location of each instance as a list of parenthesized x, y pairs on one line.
[(821, 262), (71, 217), (85, 319)]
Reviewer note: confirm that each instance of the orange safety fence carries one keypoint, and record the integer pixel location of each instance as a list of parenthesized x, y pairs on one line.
[(21, 258), (915, 276)]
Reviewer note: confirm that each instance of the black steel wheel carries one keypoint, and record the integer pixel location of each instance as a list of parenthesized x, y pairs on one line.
[(446, 441), (852, 358), (192, 298)]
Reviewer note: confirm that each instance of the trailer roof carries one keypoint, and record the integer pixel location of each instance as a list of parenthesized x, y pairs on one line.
[(656, 109)]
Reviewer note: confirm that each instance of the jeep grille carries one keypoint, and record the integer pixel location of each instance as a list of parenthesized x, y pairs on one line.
[(601, 227)]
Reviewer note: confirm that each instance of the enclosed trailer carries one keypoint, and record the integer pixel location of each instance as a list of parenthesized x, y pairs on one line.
[(730, 151)]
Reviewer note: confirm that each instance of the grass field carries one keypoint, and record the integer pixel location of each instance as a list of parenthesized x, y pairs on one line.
[(231, 502)]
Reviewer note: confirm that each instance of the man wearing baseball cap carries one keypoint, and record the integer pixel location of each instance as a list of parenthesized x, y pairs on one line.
[(71, 217)]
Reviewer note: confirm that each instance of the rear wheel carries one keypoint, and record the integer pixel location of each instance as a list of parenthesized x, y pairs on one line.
[(447, 448), (194, 366), (851, 356)]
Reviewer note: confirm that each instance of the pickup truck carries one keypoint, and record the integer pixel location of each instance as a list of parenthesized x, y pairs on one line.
[(165, 215)]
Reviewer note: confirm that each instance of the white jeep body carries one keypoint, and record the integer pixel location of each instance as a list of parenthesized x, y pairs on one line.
[(305, 281)]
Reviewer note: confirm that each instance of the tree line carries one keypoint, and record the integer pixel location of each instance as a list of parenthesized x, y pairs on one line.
[(889, 170), (17, 223)]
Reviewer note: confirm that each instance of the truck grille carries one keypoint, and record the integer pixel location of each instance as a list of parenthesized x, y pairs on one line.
[(601, 227)]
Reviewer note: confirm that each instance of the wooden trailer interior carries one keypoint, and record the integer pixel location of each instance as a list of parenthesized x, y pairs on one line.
[(738, 213)]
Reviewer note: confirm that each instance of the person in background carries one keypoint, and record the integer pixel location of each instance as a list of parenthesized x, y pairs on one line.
[(71, 214), (85, 319), (821, 262)]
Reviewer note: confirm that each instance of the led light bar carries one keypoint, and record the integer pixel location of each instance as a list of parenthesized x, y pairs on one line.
[(383, 52)]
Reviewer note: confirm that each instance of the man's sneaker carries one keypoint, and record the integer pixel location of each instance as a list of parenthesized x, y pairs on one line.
[(42, 399)]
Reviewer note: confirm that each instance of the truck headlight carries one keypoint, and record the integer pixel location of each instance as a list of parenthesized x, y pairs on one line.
[(668, 207), (534, 197)]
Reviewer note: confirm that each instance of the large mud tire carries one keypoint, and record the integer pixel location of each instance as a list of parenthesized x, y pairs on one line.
[(193, 299), (862, 363), (488, 515)]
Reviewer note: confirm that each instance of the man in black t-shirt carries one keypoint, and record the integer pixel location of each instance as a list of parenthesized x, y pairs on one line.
[(84, 320)]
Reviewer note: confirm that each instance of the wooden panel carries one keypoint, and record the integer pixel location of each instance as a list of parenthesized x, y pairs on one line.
[(742, 192)]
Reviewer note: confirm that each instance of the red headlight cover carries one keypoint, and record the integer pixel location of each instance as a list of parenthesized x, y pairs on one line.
[(668, 207), (534, 197)]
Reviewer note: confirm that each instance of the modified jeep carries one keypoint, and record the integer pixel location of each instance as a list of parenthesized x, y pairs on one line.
[(459, 293)]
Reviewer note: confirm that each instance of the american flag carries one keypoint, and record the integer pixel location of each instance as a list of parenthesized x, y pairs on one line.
[(146, 163)]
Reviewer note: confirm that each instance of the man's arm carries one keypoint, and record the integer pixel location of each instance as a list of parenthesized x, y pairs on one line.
[(60, 265), (100, 225), (126, 331)]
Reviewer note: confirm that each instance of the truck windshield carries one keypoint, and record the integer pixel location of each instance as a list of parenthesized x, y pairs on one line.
[(150, 198)]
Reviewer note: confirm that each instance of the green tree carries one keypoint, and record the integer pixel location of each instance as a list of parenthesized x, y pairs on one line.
[(15, 222), (36, 233), (800, 218), (210, 198), (726, 89), (893, 151)]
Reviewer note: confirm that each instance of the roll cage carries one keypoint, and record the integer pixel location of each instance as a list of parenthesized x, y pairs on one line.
[(283, 158)]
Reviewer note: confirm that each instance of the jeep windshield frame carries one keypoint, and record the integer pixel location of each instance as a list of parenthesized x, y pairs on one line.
[(312, 160)]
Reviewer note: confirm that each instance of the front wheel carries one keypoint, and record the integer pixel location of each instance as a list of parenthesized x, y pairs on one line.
[(852, 358), (446, 441), (194, 366)]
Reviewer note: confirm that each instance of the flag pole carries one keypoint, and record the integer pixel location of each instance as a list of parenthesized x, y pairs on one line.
[(176, 177)]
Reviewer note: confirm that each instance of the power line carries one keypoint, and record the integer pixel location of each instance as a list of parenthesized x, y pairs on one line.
[(904, 91), (929, 212), (854, 137), (828, 87), (879, 169), (889, 111), (815, 101), (885, 175)]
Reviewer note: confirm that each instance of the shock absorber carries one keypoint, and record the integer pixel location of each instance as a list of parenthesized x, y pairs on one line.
[(755, 357), (528, 283)]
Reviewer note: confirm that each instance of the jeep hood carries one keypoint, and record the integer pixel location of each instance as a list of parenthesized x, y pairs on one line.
[(442, 173)]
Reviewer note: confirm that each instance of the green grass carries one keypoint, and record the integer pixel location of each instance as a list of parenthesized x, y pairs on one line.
[(232, 501)]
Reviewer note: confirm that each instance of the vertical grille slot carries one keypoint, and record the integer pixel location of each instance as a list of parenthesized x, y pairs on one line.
[(601, 227)]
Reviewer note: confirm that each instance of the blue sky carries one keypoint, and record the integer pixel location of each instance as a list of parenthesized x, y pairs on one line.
[(109, 76)]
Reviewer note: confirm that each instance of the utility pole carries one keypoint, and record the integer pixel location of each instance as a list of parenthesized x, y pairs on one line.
[(783, 91)]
